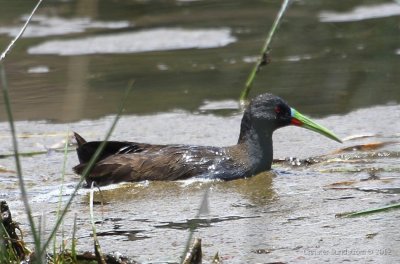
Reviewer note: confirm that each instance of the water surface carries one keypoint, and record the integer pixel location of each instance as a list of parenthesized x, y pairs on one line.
[(286, 215), (334, 61), (327, 58)]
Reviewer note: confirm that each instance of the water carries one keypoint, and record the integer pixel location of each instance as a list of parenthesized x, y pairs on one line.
[(346, 65), (335, 61), (288, 212)]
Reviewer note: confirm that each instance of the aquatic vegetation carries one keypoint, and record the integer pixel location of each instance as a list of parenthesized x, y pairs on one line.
[(370, 211), (263, 59), (3, 78), (40, 247)]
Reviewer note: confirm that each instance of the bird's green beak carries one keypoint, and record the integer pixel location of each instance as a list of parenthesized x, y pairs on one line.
[(303, 121)]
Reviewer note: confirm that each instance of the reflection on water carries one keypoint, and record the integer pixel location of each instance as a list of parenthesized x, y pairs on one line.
[(44, 26), (199, 223), (142, 41), (256, 190), (345, 65), (362, 13), (39, 69)]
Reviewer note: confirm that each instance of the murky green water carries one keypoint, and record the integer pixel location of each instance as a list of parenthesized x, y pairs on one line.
[(329, 60), (324, 67)]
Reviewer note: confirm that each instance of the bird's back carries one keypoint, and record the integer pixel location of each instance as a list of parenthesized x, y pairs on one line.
[(131, 161)]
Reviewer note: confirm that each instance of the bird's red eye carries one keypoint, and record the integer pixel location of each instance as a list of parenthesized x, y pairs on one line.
[(278, 109)]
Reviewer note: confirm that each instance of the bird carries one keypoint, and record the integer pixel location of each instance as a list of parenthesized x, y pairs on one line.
[(123, 161)]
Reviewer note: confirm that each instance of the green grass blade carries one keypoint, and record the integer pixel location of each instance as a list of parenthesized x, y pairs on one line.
[(21, 181), (7, 104), (262, 58), (371, 211), (64, 166), (7, 252), (203, 204), (89, 166), (23, 154), (33, 153), (97, 248), (12, 43), (73, 243)]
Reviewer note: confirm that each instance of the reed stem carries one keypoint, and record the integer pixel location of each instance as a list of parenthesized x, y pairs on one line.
[(263, 57), (371, 211), (7, 104), (88, 168)]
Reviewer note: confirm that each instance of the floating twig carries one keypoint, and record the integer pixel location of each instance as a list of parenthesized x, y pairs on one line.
[(370, 211), (194, 255)]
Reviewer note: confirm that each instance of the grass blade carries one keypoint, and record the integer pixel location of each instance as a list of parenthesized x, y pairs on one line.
[(12, 43), (7, 104), (370, 211), (73, 243), (203, 205), (21, 182), (97, 248), (262, 60), (62, 185), (89, 166)]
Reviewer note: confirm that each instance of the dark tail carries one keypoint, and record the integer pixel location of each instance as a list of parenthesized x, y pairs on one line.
[(80, 140), (86, 150)]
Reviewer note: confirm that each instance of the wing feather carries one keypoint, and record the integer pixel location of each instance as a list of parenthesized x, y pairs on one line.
[(158, 163)]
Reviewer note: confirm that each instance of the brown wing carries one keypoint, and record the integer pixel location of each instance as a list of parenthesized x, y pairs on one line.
[(87, 150), (160, 163)]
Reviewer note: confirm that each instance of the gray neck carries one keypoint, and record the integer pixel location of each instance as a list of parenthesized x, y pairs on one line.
[(257, 143)]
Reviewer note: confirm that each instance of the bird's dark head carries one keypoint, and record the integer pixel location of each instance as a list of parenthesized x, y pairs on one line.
[(268, 112)]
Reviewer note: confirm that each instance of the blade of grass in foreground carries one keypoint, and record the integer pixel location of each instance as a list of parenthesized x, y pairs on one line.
[(33, 153), (21, 181), (203, 206), (89, 166), (73, 243), (12, 43), (97, 248), (370, 211), (262, 60), (7, 104), (64, 166)]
